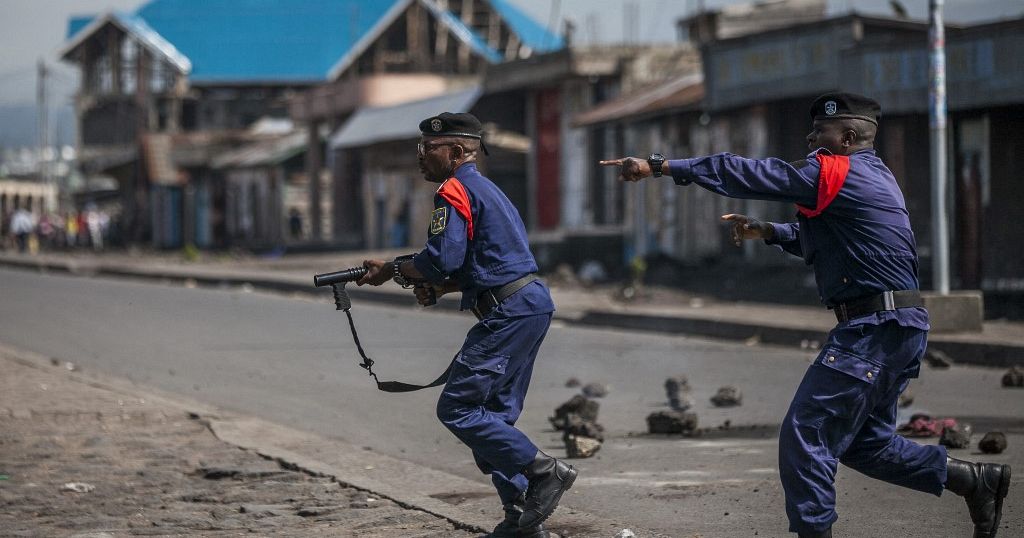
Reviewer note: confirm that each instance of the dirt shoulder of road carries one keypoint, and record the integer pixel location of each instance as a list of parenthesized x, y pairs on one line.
[(79, 458)]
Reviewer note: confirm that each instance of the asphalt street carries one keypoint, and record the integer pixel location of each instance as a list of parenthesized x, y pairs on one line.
[(289, 359)]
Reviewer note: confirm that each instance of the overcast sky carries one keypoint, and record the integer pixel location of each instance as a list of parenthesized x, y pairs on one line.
[(34, 29)]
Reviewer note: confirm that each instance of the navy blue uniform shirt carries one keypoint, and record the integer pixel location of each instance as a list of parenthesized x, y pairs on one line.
[(860, 245), (497, 253)]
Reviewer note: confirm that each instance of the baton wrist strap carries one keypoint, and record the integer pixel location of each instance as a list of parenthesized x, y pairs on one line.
[(391, 386)]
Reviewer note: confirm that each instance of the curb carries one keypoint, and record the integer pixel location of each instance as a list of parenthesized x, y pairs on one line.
[(978, 353)]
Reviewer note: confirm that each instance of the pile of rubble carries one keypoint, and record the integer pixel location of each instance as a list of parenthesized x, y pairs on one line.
[(577, 420)]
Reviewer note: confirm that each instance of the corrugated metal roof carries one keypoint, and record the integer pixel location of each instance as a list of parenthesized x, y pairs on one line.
[(265, 152), (400, 122), (681, 92), (133, 25), (531, 33), (289, 40)]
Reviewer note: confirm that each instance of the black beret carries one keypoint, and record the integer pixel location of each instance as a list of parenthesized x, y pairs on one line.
[(846, 105), (452, 124)]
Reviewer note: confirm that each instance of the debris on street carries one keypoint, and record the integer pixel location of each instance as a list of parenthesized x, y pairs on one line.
[(922, 425), (958, 436), (727, 396), (676, 388), (1014, 377), (671, 422), (572, 382), (595, 390), (581, 406), (993, 443)]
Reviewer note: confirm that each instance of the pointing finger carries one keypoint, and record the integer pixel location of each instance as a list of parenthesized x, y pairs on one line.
[(611, 162)]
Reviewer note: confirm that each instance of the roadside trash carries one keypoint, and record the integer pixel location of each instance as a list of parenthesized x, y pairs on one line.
[(727, 396), (906, 398), (671, 422), (938, 359), (958, 436), (922, 425), (78, 487), (595, 390), (572, 382), (581, 406), (70, 366), (1014, 377), (992, 443), (4, 477), (625, 533)]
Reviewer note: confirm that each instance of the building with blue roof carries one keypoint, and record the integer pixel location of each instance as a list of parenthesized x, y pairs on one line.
[(167, 87)]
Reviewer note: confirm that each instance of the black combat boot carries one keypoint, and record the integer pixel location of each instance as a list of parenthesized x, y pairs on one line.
[(827, 533), (983, 486), (509, 527), (549, 479)]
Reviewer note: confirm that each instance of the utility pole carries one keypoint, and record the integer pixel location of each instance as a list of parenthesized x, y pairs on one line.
[(937, 112), (44, 131)]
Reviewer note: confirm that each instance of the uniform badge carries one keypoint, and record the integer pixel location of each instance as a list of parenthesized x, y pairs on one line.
[(435, 125), (438, 220), (830, 108)]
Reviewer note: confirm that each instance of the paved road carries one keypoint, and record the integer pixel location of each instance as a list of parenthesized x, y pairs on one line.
[(290, 360)]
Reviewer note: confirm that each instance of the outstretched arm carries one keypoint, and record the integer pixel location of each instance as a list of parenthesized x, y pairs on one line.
[(736, 177)]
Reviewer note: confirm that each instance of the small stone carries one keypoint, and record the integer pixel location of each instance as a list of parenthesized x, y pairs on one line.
[(727, 396), (579, 405), (675, 389), (1014, 377), (575, 425), (992, 443), (958, 436), (572, 382), (78, 487), (579, 446), (595, 390), (671, 422), (937, 359), (625, 533)]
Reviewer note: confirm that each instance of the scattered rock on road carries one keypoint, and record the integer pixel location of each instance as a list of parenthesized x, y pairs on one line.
[(1014, 377), (958, 436), (572, 382), (671, 422), (676, 388), (595, 390), (578, 405), (992, 443), (580, 446), (727, 396)]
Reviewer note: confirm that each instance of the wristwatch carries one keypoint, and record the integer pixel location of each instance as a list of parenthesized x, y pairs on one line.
[(396, 267), (656, 160)]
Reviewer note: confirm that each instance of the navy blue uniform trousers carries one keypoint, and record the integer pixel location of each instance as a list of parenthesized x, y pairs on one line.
[(845, 412), (486, 391)]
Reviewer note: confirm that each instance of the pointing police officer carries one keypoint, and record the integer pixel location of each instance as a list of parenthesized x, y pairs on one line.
[(477, 244), (853, 228)]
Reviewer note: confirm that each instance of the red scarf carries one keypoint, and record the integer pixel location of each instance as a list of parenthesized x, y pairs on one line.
[(833, 174)]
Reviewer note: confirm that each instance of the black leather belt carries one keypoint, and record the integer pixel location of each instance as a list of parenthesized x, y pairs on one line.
[(887, 300), (488, 299)]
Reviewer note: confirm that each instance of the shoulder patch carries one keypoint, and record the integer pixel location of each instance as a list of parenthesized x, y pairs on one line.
[(438, 220)]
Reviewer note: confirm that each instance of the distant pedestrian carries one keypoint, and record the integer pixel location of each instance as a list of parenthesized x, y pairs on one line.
[(295, 223), (22, 226), (854, 229)]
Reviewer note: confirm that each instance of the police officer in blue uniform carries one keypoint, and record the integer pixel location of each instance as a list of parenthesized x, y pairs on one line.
[(477, 244), (853, 228)]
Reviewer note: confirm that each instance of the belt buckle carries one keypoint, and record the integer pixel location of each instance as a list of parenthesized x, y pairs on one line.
[(888, 300)]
